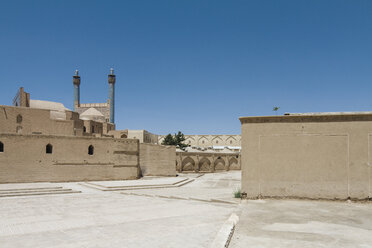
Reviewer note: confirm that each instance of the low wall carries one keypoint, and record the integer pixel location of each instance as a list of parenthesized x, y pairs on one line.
[(207, 161), (24, 158), (157, 160), (312, 156)]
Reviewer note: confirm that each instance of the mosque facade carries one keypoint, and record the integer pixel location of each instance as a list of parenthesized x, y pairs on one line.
[(45, 141)]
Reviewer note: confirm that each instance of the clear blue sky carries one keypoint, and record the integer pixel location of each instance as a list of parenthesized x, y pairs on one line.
[(194, 66)]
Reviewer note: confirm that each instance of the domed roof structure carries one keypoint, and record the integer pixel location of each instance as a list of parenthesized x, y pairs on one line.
[(39, 104), (92, 114)]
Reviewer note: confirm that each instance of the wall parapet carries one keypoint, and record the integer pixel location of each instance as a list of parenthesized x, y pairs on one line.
[(308, 118)]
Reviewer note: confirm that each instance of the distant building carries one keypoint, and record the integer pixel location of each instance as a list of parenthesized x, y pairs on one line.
[(143, 136), (102, 112), (44, 141), (215, 142)]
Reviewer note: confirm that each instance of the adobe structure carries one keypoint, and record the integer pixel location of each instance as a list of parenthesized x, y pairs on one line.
[(45, 141), (313, 155), (194, 159), (218, 141)]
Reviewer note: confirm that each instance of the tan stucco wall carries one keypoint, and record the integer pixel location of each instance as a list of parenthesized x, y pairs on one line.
[(38, 121), (307, 156), (143, 136), (25, 160), (157, 160)]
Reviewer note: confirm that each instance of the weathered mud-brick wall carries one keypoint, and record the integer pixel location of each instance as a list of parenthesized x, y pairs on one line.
[(311, 156), (37, 158), (157, 160)]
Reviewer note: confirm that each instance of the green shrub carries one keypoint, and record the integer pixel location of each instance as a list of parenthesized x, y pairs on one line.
[(237, 194)]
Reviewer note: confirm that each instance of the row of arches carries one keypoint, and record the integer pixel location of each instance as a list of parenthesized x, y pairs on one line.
[(49, 148), (210, 140), (205, 164)]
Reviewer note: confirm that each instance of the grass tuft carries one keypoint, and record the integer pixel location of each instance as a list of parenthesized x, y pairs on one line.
[(237, 194)]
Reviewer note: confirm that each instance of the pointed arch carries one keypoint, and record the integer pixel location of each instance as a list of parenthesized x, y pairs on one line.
[(49, 149), (91, 150), (188, 164), (203, 141), (219, 164), (189, 140), (234, 164), (217, 141), (204, 164), (231, 141)]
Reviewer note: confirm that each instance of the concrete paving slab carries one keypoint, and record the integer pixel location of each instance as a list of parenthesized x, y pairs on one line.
[(97, 218), (216, 186), (146, 182), (300, 223), (8, 186)]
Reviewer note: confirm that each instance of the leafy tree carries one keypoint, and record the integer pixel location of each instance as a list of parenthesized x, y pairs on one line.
[(175, 140), (169, 140), (180, 138), (275, 109)]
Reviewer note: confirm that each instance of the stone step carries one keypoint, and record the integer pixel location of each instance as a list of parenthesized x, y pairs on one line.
[(67, 191), (211, 200), (20, 189), (31, 191), (134, 187)]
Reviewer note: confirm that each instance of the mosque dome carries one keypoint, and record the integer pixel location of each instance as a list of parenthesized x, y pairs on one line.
[(39, 104), (92, 114)]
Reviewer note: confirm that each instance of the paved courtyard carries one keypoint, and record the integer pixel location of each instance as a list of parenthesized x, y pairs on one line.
[(185, 211), (96, 218), (300, 223)]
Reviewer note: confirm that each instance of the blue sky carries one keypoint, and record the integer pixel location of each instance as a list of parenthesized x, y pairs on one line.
[(194, 66)]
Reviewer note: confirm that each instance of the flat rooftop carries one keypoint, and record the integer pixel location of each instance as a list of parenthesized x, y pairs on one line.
[(310, 117)]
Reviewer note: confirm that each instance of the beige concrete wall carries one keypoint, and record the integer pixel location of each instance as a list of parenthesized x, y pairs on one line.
[(136, 134), (324, 156), (207, 162), (143, 136), (25, 159), (157, 160), (37, 121)]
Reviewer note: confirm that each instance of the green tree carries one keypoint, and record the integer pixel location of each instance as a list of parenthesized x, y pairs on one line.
[(275, 109), (180, 138), (169, 140), (175, 140)]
